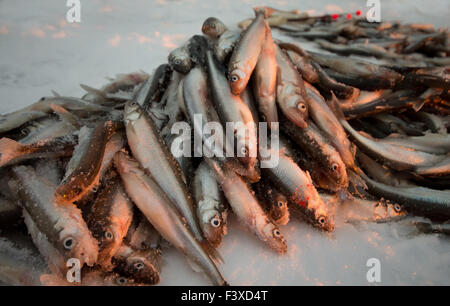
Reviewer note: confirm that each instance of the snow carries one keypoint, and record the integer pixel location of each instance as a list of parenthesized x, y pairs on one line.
[(41, 51)]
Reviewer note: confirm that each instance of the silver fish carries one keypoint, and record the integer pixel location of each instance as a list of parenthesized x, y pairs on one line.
[(211, 209), (164, 215), (291, 93), (154, 156), (12, 152), (265, 79), (109, 219), (247, 208), (245, 55), (57, 224)]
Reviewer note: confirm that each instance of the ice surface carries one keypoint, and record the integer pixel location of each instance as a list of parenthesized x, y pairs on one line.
[(41, 51)]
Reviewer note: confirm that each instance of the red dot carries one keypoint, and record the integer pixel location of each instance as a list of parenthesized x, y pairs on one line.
[(358, 13), (349, 16), (335, 16)]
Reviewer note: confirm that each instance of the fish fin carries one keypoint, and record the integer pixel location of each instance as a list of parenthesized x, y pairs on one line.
[(418, 104), (55, 93), (93, 91), (9, 149), (65, 115), (212, 252)]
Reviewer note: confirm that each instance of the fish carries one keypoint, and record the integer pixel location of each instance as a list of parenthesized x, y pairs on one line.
[(312, 73), (441, 168), (232, 110), (275, 202), (432, 227), (429, 143), (57, 228), (211, 206), (155, 157), (109, 219), (354, 210), (382, 173), (164, 215), (371, 76), (20, 262), (13, 152), (312, 141), (396, 157), (152, 91), (397, 100), (86, 173), (213, 27), (245, 55), (298, 187), (180, 59), (246, 207), (43, 107), (142, 266), (291, 92), (265, 79), (328, 123), (198, 103), (419, 200), (144, 236), (225, 44)]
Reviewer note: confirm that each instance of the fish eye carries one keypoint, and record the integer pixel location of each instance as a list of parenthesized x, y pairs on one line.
[(94, 189), (301, 107), (177, 62), (68, 243), (276, 233), (212, 25), (397, 207), (109, 235), (139, 265), (121, 280), (321, 220), (280, 204), (24, 131), (244, 151), (334, 167), (215, 222), (234, 78)]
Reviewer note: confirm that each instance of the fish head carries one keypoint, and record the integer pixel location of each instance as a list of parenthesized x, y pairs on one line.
[(214, 226), (296, 110), (108, 237), (132, 112), (180, 60), (324, 222), (337, 170), (278, 208), (140, 266), (75, 240), (272, 235), (213, 27), (237, 80)]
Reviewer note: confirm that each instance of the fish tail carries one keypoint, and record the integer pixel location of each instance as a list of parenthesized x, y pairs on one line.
[(94, 91), (9, 149)]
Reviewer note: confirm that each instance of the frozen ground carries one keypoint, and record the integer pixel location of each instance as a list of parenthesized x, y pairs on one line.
[(40, 51)]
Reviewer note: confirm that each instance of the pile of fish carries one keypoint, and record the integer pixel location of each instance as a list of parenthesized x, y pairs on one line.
[(361, 117)]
